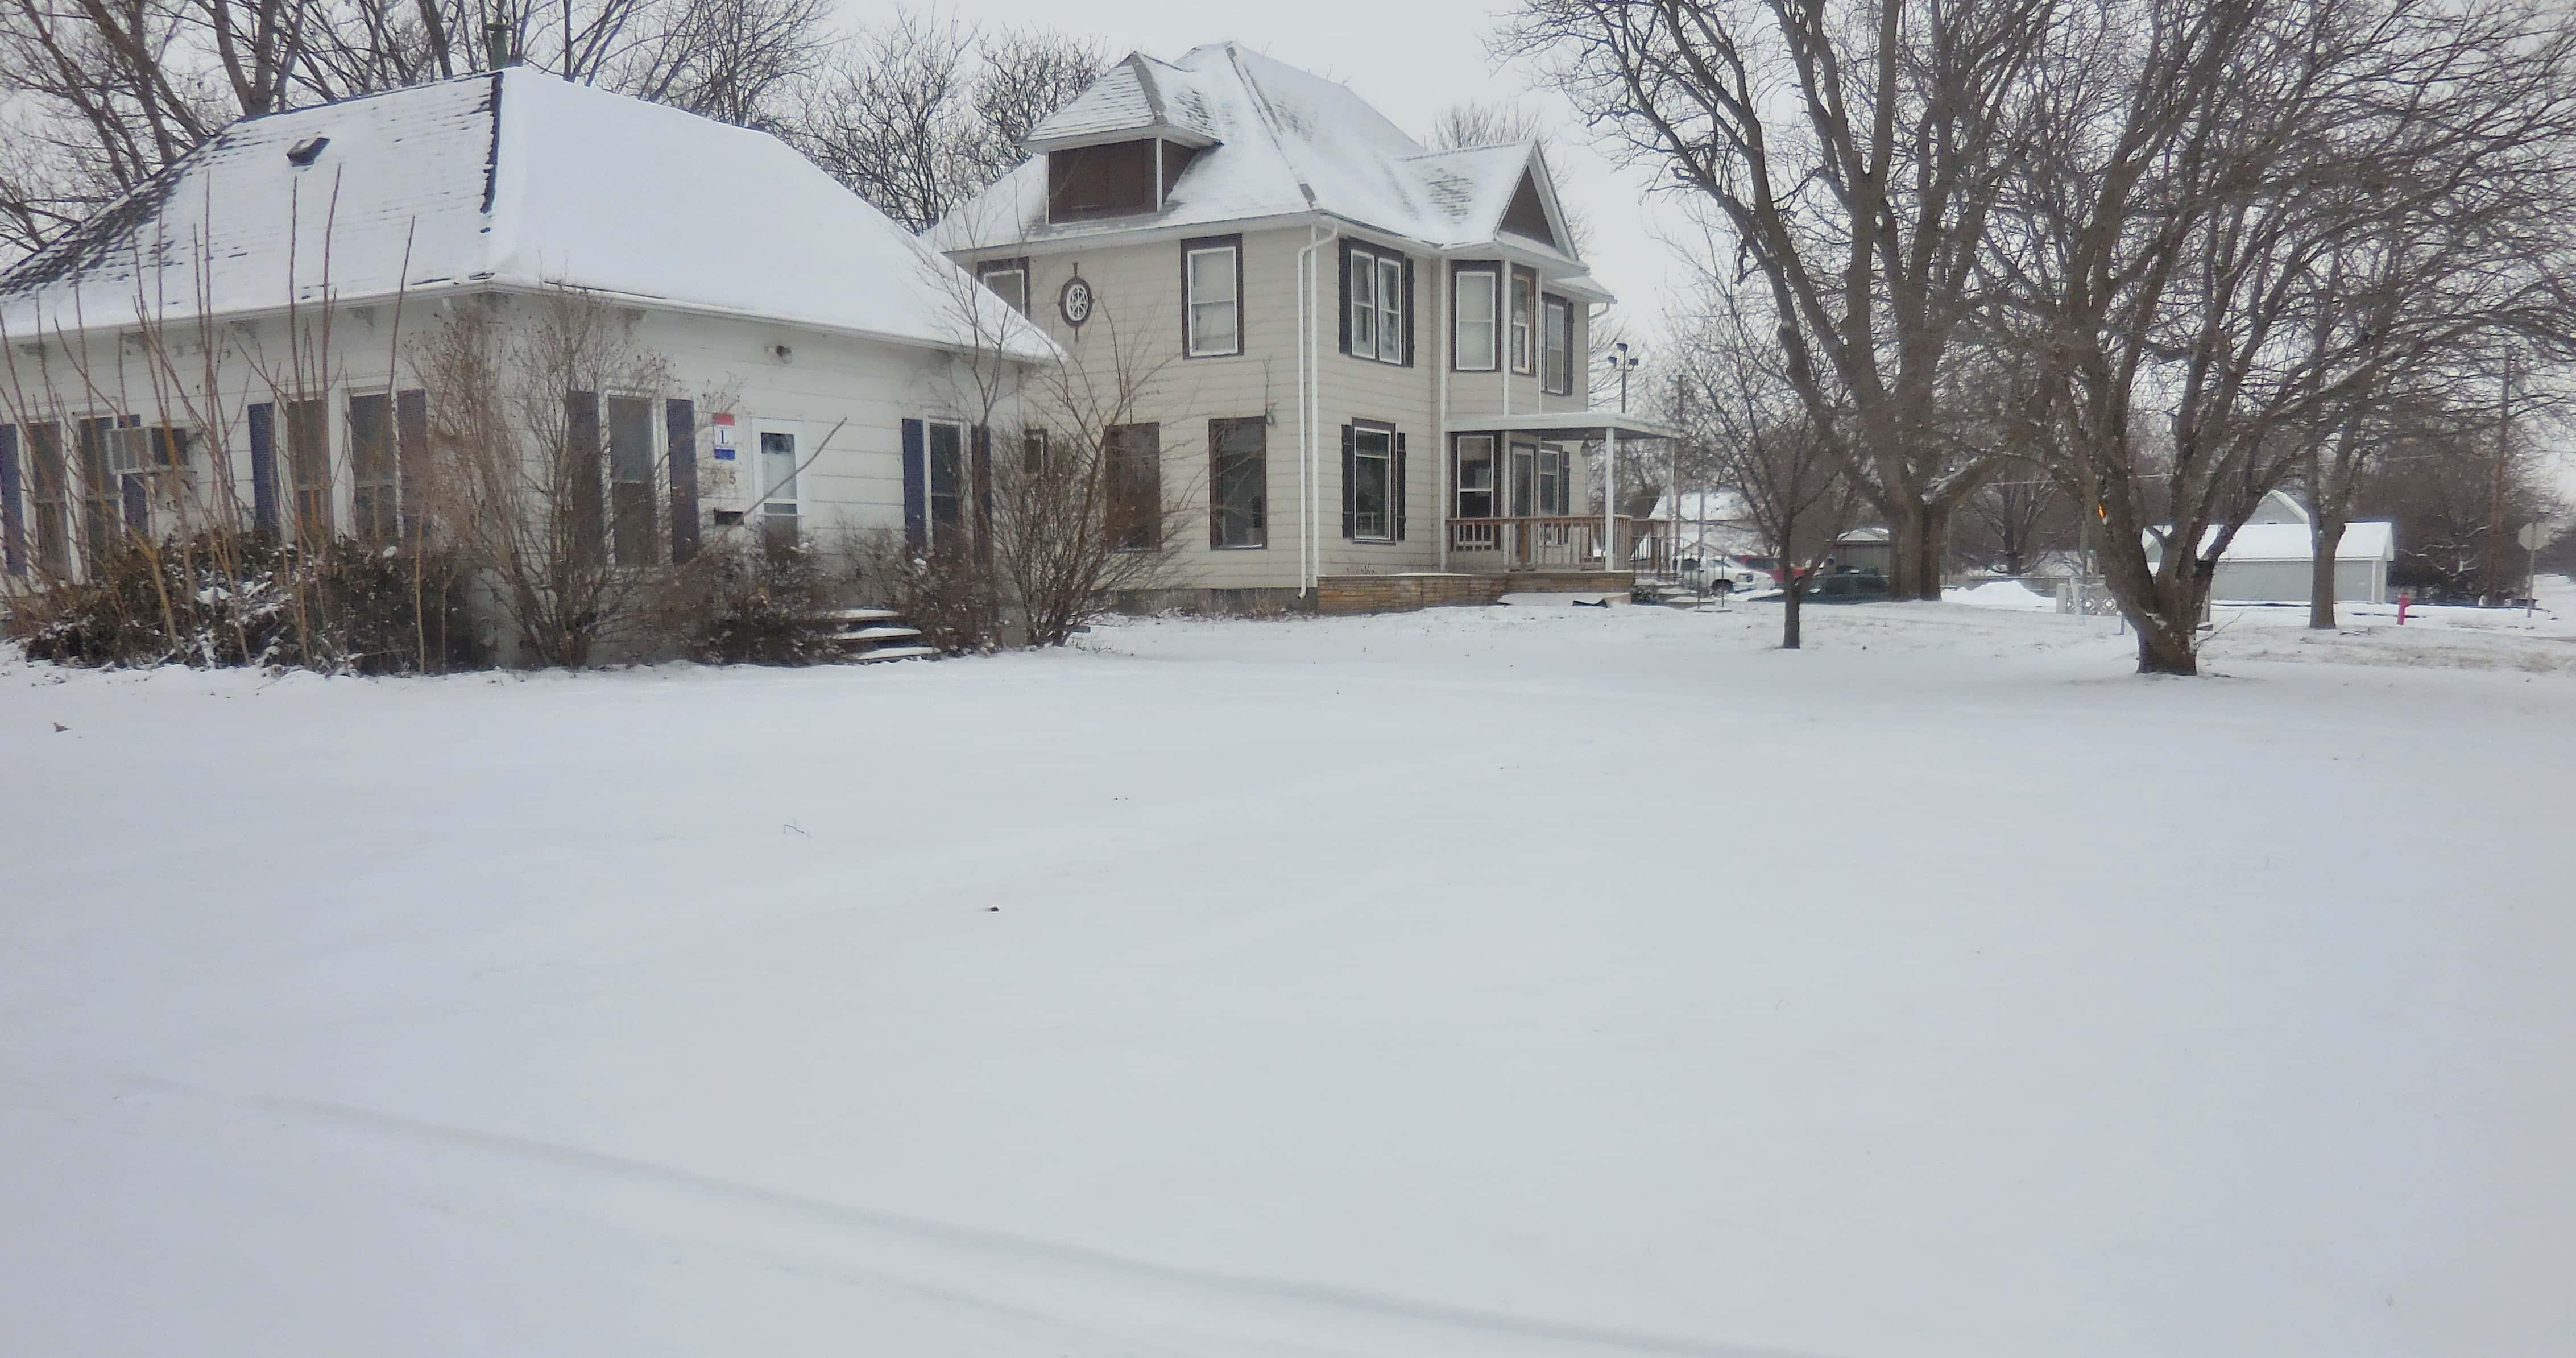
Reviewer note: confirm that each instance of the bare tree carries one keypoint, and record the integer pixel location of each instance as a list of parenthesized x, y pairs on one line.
[(919, 114), (524, 480), (1854, 155), (2184, 248), (1750, 425)]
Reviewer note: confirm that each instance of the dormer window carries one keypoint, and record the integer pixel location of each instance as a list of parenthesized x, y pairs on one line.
[(1113, 179)]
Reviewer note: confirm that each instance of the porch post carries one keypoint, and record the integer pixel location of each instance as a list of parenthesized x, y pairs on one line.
[(1610, 499)]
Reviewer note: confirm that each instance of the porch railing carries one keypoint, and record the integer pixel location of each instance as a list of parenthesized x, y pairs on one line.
[(1564, 542)]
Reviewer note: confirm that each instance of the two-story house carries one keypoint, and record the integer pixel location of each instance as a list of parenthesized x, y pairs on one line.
[(1361, 358)]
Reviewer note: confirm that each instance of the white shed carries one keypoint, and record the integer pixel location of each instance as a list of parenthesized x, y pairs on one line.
[(2271, 559)]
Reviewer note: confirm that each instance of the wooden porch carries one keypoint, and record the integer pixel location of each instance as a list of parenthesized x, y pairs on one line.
[(1557, 542)]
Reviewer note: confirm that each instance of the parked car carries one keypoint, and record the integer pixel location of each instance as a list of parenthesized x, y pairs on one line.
[(1850, 585), (1721, 575)]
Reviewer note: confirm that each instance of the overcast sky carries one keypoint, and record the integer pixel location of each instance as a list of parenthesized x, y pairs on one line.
[(1410, 58)]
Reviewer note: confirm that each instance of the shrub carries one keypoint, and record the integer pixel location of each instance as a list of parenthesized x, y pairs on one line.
[(954, 599), (756, 603), (218, 599)]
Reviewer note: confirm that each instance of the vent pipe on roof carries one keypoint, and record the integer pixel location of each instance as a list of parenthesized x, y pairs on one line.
[(497, 46)]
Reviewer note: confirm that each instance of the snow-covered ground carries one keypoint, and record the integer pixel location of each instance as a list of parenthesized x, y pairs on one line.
[(1524, 981)]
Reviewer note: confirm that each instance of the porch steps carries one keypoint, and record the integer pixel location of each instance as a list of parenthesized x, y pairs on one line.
[(869, 635)]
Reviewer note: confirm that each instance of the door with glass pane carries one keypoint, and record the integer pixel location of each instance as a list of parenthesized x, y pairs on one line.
[(779, 516)]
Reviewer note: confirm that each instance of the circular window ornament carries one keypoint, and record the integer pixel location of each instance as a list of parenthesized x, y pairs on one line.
[(1075, 301)]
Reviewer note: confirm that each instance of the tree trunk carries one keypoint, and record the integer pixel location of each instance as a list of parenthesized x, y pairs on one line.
[(1916, 534), (2326, 537), (1790, 598), (2169, 632)]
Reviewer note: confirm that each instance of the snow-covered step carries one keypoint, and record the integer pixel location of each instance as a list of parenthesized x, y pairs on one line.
[(881, 633), (896, 653), (855, 616)]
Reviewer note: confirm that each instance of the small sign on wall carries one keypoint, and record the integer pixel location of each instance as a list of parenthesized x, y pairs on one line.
[(724, 428)]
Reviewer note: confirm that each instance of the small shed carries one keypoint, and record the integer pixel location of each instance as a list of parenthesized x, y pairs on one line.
[(2271, 558), (1867, 549)]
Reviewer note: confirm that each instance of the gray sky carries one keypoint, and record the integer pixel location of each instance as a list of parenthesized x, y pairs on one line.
[(1411, 58)]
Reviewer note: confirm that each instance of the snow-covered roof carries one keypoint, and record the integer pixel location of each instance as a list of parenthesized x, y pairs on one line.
[(1284, 143), (515, 179), (2370, 541)]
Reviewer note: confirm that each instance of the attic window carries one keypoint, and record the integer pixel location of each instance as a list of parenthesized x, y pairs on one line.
[(304, 152), (1117, 179)]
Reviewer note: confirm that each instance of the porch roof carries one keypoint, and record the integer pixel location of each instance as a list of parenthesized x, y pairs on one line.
[(1565, 424)]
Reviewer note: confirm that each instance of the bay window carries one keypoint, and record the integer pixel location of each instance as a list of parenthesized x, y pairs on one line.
[(1473, 307), (1557, 346)]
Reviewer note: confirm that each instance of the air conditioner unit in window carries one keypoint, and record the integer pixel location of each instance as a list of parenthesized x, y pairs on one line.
[(150, 448)]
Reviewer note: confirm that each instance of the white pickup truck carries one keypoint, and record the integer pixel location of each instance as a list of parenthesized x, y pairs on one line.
[(1723, 575)]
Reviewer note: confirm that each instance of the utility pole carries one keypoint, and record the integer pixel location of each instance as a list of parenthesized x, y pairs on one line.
[(2493, 571)]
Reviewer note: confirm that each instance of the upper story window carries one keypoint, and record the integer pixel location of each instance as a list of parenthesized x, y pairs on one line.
[(1524, 320), (1556, 356), (1009, 280), (1212, 278), (1377, 290), (1115, 179), (1474, 309)]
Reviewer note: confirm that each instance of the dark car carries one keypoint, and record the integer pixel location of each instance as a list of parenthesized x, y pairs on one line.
[(1850, 585)]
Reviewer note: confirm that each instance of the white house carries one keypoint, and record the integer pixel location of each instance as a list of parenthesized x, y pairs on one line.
[(234, 338), (2272, 558)]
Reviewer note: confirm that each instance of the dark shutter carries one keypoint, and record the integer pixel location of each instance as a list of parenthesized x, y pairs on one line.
[(585, 491), (1216, 484), (1344, 292), (1395, 472), (981, 454), (916, 489), (1350, 482), (680, 436), (13, 542), (263, 468), (1408, 317), (411, 460)]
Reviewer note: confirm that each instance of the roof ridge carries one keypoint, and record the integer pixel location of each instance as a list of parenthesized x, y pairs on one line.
[(1269, 119)]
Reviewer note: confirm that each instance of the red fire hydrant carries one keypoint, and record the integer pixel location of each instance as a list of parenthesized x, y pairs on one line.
[(2403, 599)]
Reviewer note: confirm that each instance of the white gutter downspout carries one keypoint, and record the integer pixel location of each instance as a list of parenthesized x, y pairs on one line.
[(1445, 339), (1310, 402)]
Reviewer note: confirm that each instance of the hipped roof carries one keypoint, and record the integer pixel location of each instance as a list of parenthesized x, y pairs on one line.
[(511, 179)]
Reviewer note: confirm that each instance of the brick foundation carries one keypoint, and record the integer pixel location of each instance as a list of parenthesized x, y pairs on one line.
[(1405, 593)]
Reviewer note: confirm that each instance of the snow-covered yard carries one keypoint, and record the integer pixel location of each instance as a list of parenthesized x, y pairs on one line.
[(1497, 982)]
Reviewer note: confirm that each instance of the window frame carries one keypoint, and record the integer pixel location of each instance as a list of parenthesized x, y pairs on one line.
[(1382, 274), (382, 491), (1361, 432), (775, 524), (1491, 275), (1149, 534), (988, 270), (634, 535), (1460, 458), (1556, 345), (1191, 250), (1258, 535)]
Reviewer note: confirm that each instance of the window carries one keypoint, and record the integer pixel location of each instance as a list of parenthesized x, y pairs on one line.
[(1524, 321), (1135, 472), (1474, 309), (1372, 483), (1212, 276), (308, 466), (1475, 476), (374, 496), (680, 440), (1033, 451), (1009, 280), (1557, 353), (1376, 287), (1115, 180), (947, 484), (102, 490), (1523, 489), (631, 499), (1552, 496), (778, 507), (13, 505), (1238, 482)]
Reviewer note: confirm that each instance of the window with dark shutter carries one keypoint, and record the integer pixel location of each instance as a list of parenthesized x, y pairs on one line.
[(1377, 309), (916, 487), (308, 469), (412, 461), (13, 509), (1371, 490), (264, 516), (634, 501), (947, 485), (680, 436), (584, 496), (373, 495), (1238, 482), (1396, 487), (1135, 473)]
